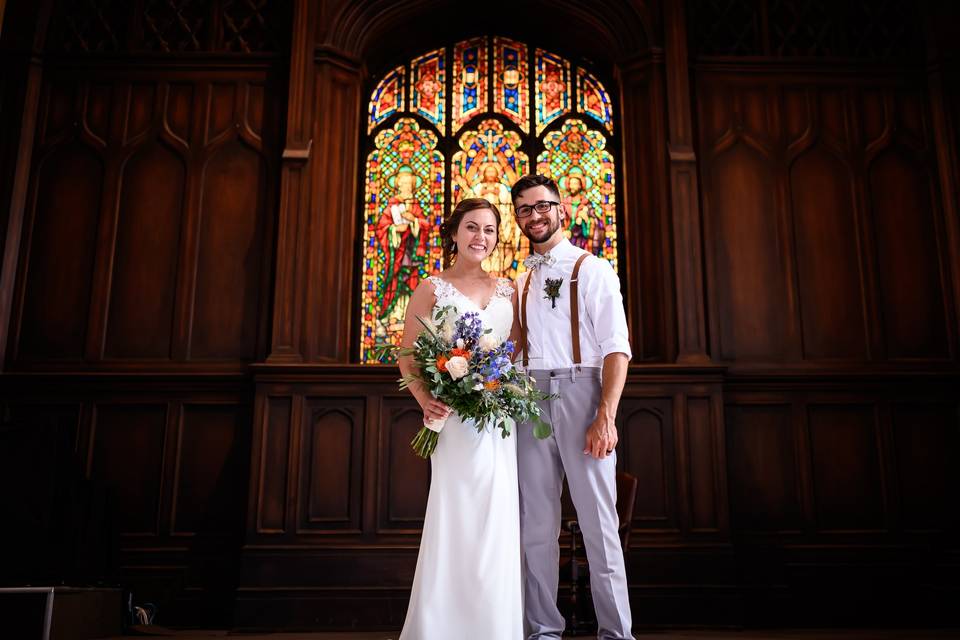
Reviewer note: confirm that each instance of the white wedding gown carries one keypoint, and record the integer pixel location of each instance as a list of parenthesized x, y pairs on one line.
[(468, 583)]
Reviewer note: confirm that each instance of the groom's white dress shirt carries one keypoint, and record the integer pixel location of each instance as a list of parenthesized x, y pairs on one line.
[(603, 324)]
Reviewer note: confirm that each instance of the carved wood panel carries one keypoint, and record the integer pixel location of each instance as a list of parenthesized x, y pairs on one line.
[(404, 478), (331, 473), (823, 231), (150, 234), (647, 450)]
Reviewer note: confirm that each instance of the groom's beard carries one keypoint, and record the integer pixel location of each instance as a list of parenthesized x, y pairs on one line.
[(552, 225)]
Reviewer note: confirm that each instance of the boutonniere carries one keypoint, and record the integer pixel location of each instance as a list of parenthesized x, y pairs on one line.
[(552, 289)]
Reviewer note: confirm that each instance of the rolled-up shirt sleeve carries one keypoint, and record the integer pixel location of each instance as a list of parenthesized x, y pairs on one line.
[(604, 305)]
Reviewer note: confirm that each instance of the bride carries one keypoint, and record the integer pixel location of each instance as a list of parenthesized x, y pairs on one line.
[(467, 583)]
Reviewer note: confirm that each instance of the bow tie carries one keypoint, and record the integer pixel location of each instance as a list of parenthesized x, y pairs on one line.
[(534, 260)]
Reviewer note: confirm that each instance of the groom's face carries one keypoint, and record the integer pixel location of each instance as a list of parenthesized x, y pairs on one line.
[(539, 227)]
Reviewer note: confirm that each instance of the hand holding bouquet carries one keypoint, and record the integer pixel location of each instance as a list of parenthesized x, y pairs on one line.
[(468, 369)]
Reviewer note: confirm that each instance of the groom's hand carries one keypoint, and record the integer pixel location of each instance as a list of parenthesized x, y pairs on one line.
[(601, 436)]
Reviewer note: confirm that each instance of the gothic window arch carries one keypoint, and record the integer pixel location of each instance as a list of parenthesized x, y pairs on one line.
[(468, 120)]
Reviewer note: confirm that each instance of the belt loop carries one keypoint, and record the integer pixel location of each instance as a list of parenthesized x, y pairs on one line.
[(574, 370)]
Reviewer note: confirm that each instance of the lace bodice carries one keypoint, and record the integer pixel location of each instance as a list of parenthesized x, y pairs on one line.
[(497, 315)]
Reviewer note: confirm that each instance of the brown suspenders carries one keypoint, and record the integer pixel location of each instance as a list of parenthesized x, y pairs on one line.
[(574, 313)]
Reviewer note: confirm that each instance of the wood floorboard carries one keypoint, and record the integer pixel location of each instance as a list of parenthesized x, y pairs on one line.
[(805, 634)]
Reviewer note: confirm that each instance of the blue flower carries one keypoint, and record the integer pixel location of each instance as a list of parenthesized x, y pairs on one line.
[(468, 327)]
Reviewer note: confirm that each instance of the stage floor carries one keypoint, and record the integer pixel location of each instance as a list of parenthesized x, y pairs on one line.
[(806, 634)]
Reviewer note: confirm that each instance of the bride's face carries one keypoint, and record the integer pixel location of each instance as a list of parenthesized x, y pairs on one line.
[(476, 235)]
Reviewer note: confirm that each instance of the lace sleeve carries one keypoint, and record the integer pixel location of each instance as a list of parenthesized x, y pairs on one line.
[(441, 288), (504, 287)]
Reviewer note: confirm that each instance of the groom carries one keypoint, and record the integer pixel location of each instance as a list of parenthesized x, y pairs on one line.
[(575, 334)]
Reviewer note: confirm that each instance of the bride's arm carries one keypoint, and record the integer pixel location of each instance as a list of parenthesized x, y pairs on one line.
[(515, 329), (420, 305)]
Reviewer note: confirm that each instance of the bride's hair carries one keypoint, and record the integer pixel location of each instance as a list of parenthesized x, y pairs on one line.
[(450, 225)]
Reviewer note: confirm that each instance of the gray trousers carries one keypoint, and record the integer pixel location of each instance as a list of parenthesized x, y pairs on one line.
[(542, 465)]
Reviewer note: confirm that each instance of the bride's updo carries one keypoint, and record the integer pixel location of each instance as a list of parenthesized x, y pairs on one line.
[(450, 225)]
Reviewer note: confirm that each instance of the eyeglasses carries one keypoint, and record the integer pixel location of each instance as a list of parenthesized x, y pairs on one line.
[(542, 206)]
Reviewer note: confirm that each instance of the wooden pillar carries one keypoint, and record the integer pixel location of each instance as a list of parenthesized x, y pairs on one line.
[(645, 197), (23, 58), (331, 311), (313, 293), (684, 194), (285, 343)]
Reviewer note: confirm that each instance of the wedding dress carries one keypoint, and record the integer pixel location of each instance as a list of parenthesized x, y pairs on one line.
[(468, 583)]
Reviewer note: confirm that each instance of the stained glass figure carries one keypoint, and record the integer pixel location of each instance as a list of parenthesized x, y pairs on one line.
[(575, 156), (427, 83), (469, 81), (552, 88), (387, 98), (510, 91), (403, 209), (592, 99), (487, 165)]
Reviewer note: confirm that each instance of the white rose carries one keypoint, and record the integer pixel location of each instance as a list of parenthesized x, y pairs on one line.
[(478, 386), (487, 342), (457, 367)]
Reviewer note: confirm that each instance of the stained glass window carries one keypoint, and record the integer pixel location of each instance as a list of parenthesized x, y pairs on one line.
[(576, 157), (510, 81), (487, 165), (592, 99), (552, 88), (470, 80), (509, 104), (403, 209), (427, 96), (387, 98)]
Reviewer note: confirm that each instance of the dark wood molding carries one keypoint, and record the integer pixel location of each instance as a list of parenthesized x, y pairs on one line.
[(33, 62), (295, 192), (684, 190)]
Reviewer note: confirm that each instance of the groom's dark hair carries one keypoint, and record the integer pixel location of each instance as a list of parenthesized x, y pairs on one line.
[(529, 182)]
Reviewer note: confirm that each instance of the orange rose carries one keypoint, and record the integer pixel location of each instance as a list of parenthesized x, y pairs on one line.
[(493, 385), (462, 353), (442, 363)]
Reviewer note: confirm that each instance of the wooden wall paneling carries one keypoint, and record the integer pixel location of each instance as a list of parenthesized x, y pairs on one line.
[(331, 472), (903, 207), (926, 445), (40, 466), (210, 463), (647, 248), (706, 464), (295, 191), (162, 273), (184, 118), (15, 216), (54, 300), (127, 454), (845, 457), (828, 257), (147, 247), (371, 452), (944, 104), (750, 293), (684, 189), (762, 468), (268, 492), (404, 479), (333, 228), (232, 247), (647, 450)]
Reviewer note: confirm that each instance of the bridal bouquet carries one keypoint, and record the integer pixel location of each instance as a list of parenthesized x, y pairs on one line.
[(468, 369)]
